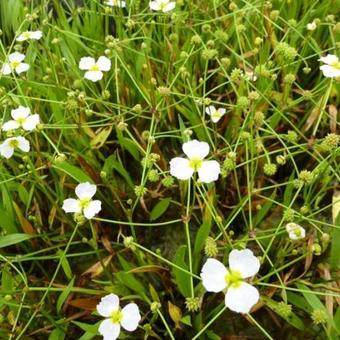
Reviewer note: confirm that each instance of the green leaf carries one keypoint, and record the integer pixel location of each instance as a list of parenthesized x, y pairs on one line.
[(74, 172), (202, 234), (65, 265), (293, 319), (182, 279), (159, 209), (9, 240), (57, 334), (65, 293), (90, 328)]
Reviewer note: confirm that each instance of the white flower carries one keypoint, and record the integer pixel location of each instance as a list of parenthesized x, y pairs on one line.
[(332, 67), (84, 191), (250, 75), (295, 231), (216, 115), (94, 69), (240, 296), (162, 5), (117, 3), (29, 35), (22, 118), (311, 26), (127, 317), (15, 64), (10, 144), (184, 168)]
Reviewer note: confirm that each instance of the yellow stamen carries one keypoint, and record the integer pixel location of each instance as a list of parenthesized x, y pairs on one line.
[(14, 143), (233, 279), (195, 163), (116, 316), (94, 67), (84, 203)]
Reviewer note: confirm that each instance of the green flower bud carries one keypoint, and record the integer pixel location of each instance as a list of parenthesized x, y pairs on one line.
[(193, 304), (270, 169), (210, 248)]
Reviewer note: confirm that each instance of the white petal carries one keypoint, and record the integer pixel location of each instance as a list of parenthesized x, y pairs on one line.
[(154, 5), (179, 168), (104, 63), (213, 276), (23, 144), (244, 262), (242, 298), (20, 112), (6, 150), (31, 122), (94, 75), (107, 305), (6, 69), (131, 317), (169, 7), (295, 231), (93, 209), (71, 205), (85, 190), (196, 149), (221, 111), (10, 125), (16, 56), (329, 59), (109, 330), (21, 37), (330, 71), (210, 110), (209, 171), (36, 35), (22, 67), (86, 62)]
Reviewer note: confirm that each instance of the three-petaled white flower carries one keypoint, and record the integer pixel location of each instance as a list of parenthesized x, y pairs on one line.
[(162, 5), (89, 208), (184, 168), (311, 26), (116, 3), (127, 317), (10, 144), (15, 64), (29, 35), (240, 296), (22, 118), (332, 67), (215, 115), (295, 231), (94, 69)]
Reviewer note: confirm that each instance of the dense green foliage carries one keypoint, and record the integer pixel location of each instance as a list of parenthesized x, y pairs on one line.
[(277, 145)]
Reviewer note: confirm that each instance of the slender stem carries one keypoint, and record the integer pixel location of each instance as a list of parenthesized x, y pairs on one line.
[(209, 323), (187, 232)]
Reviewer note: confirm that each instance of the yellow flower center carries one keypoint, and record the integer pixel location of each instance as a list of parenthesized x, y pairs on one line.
[(297, 232), (116, 316), (27, 35), (233, 279), (84, 203), (162, 5), (13, 143), (15, 64), (216, 114), (336, 64), (195, 163), (94, 67), (21, 120)]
